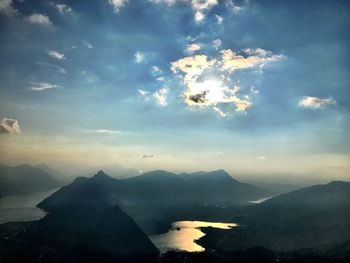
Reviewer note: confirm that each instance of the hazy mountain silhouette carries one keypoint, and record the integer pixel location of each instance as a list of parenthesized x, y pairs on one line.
[(25, 179), (157, 198), (313, 217), (83, 228), (53, 173)]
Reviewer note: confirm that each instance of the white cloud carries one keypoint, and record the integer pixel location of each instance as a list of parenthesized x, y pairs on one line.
[(161, 96), (208, 81), (88, 45), (219, 19), (39, 19), (143, 93), (233, 7), (103, 131), (315, 102), (199, 7), (216, 43), (250, 58), (156, 71), (6, 7), (41, 86), (63, 9), (212, 93), (117, 4), (199, 16), (192, 66), (166, 2), (56, 54), (139, 57), (9, 126), (191, 48)]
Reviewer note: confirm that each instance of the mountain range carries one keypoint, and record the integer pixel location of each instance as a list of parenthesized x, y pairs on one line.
[(156, 199), (25, 179), (315, 217)]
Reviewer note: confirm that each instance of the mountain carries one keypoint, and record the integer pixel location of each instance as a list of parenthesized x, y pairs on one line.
[(84, 228), (156, 199), (313, 217), (277, 188), (24, 179), (53, 172), (218, 187), (163, 188)]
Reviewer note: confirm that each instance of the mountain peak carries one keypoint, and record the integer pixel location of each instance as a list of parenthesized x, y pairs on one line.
[(101, 175)]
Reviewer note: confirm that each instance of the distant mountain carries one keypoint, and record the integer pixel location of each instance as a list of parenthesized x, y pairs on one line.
[(25, 179), (83, 228), (161, 188), (218, 187), (313, 217), (53, 172), (278, 189), (157, 198)]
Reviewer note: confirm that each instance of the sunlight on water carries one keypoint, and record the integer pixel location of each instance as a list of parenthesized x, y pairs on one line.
[(260, 200), (183, 234)]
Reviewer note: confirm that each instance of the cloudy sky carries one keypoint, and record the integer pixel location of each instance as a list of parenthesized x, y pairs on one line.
[(259, 88)]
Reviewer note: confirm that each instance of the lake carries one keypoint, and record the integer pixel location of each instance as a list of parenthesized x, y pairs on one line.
[(183, 234), (22, 208)]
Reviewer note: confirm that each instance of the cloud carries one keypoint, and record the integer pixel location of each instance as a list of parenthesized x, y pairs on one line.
[(6, 7), (63, 9), (248, 59), (212, 93), (233, 7), (191, 48), (41, 86), (56, 54), (315, 102), (201, 6), (58, 68), (160, 96), (9, 126), (103, 131), (216, 43), (88, 45), (207, 81), (156, 71), (117, 4), (166, 2), (39, 19), (143, 93), (192, 66), (139, 57), (219, 19)]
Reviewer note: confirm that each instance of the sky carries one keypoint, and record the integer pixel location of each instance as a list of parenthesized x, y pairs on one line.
[(258, 88)]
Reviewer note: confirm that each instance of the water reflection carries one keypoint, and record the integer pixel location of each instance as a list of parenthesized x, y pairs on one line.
[(22, 208), (183, 234), (260, 200)]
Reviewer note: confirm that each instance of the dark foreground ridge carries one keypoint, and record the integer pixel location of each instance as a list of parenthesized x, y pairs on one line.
[(89, 231)]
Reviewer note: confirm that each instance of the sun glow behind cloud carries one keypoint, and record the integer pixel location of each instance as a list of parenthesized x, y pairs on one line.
[(208, 83)]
